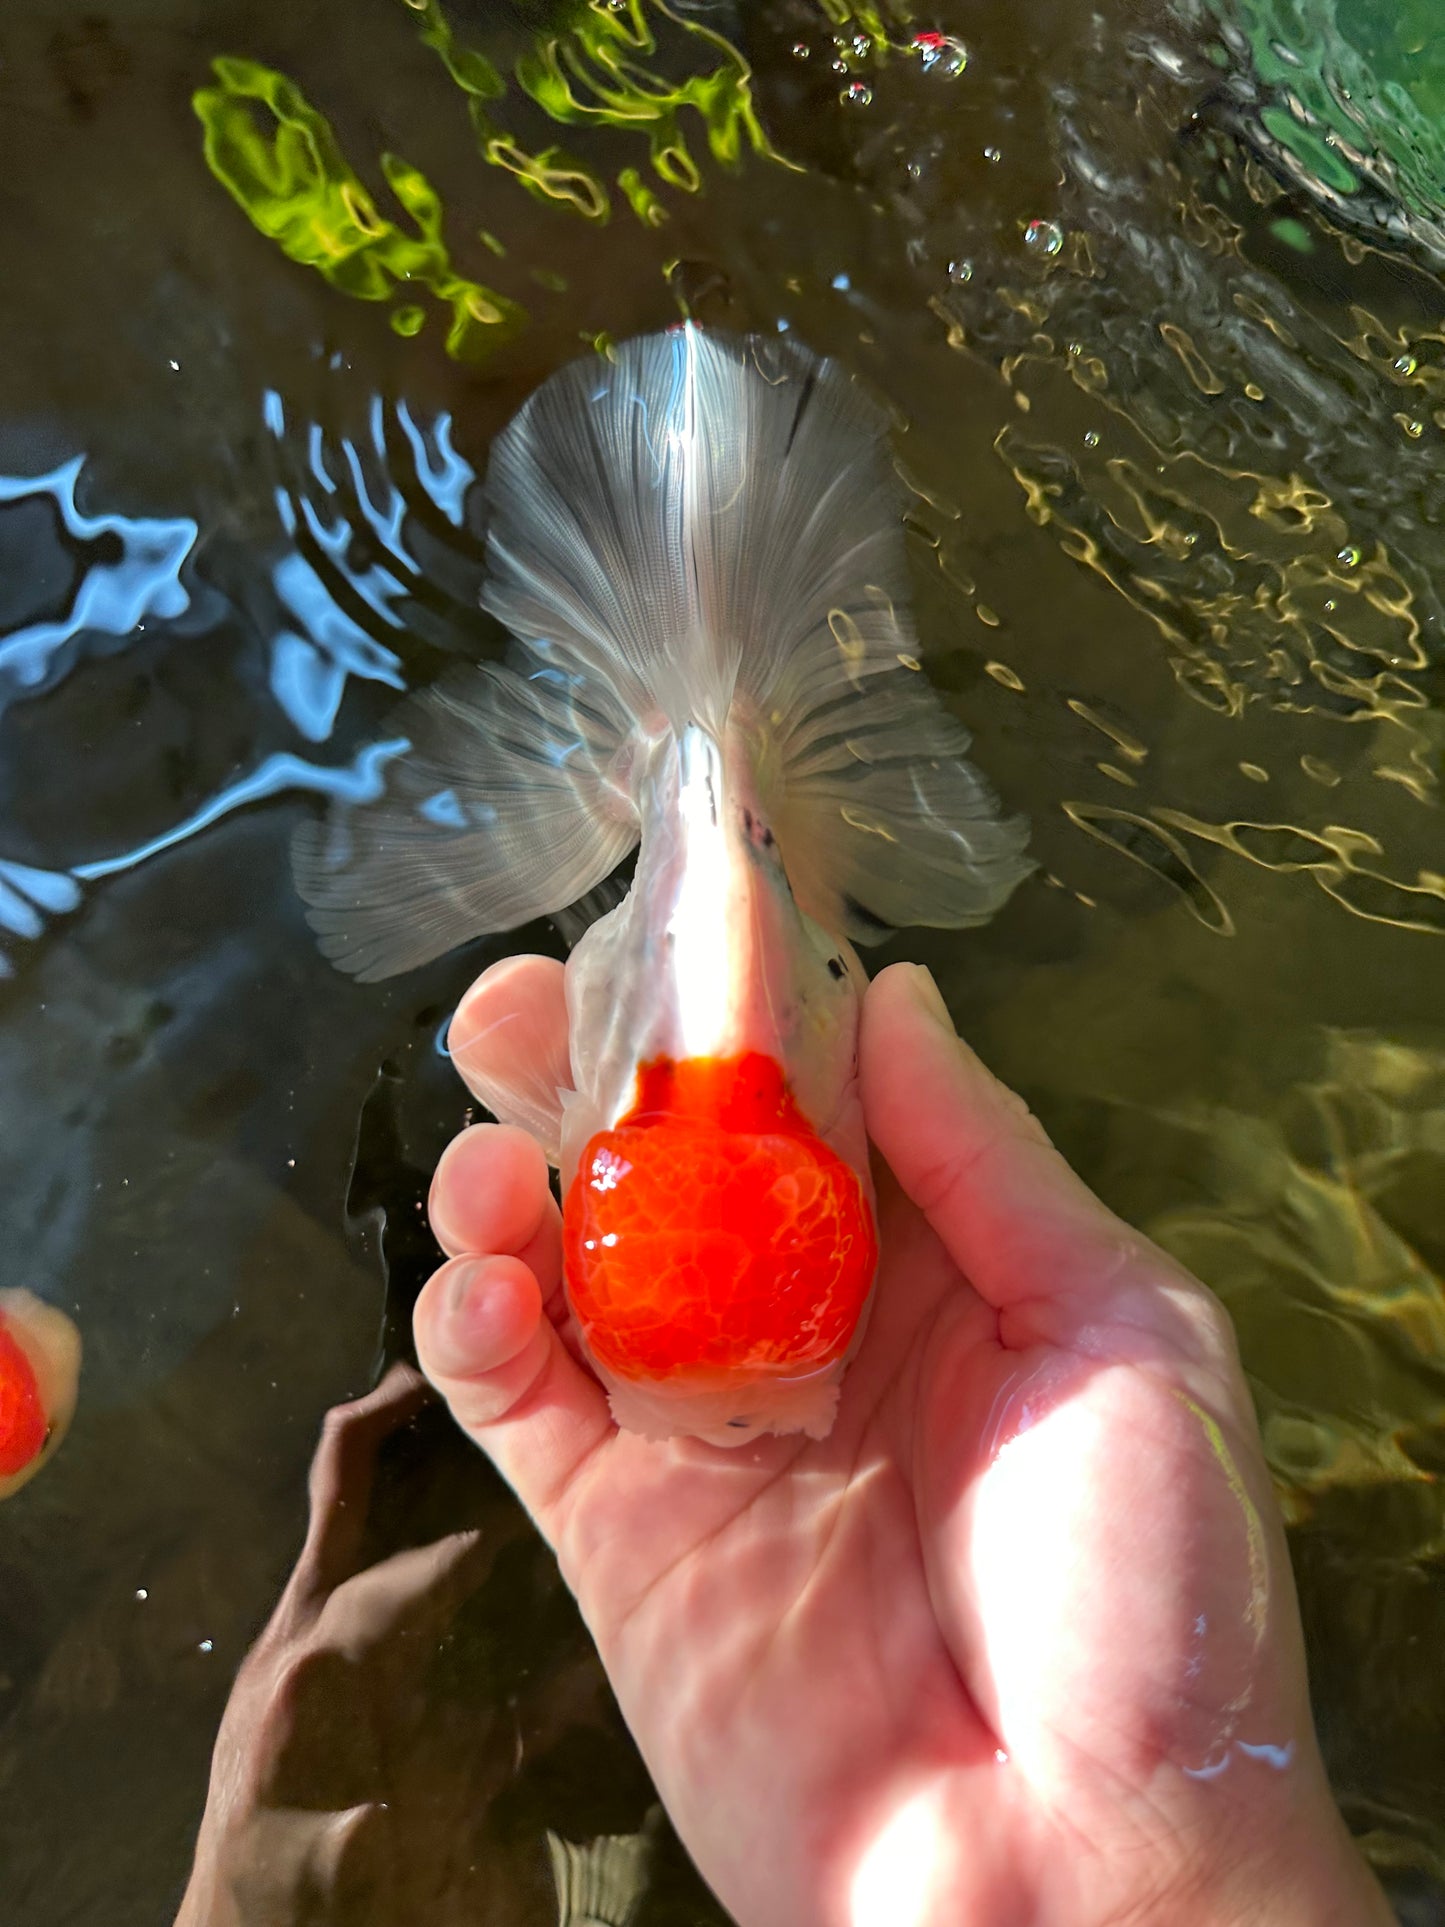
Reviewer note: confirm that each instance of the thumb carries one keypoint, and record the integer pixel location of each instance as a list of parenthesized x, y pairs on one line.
[(1026, 1232), (484, 1342)]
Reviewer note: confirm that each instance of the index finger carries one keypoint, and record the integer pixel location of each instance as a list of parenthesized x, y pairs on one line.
[(339, 1484), (508, 1040)]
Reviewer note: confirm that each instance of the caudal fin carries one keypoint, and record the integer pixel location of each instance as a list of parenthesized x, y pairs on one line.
[(699, 529), (501, 808), (602, 1883)]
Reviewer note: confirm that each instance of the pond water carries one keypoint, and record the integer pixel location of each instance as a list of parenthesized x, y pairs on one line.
[(1155, 292)]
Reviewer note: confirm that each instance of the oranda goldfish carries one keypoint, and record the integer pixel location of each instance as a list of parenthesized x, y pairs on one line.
[(39, 1373), (697, 547)]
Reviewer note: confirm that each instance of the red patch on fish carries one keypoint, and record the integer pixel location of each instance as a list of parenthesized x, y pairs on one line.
[(23, 1422), (712, 1230)]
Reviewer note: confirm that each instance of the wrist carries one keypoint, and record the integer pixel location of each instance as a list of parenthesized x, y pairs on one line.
[(1307, 1875)]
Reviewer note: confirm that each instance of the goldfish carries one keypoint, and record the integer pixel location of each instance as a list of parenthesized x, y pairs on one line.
[(697, 548), (39, 1375)]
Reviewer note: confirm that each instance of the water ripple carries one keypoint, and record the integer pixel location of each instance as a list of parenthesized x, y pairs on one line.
[(123, 570), (376, 569)]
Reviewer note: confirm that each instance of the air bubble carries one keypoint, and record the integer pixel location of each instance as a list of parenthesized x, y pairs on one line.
[(857, 94), (1405, 365), (1091, 438), (993, 153), (801, 50), (1046, 237), (941, 54), (1349, 557), (960, 271)]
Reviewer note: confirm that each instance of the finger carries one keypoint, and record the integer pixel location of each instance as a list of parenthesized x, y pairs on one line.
[(502, 1368), (1016, 1220), (339, 1486), (492, 1195), (508, 1040), (292, 1863), (411, 1593)]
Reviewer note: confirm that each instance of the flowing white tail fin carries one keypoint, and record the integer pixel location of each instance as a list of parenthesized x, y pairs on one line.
[(700, 529)]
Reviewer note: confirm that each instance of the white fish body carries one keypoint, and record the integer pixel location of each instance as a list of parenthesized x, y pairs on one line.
[(708, 958), (697, 548)]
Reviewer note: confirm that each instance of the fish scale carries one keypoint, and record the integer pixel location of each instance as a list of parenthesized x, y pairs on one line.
[(712, 1230)]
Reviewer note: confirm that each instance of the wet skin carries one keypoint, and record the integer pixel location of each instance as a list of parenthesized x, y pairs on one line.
[(1018, 1642)]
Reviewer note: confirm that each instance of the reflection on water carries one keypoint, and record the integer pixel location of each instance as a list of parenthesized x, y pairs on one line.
[(1316, 1216), (353, 540), (1158, 306), (113, 573), (1319, 1220), (298, 188), (1348, 96)]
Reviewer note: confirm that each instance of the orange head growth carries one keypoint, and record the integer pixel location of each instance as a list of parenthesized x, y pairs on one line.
[(24, 1426), (711, 1230)]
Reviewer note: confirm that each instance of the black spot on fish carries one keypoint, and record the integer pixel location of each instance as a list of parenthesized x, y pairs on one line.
[(798, 412), (759, 835), (741, 1423), (859, 913), (835, 969)]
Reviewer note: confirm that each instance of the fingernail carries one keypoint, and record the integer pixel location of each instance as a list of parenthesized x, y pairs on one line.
[(466, 1025), (476, 1014), (487, 1314), (461, 1284), (456, 1342), (929, 998)]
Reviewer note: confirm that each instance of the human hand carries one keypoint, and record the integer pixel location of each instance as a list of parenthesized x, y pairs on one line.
[(312, 1813), (1018, 1642)]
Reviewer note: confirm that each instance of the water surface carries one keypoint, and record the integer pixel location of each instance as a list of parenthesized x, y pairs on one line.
[(1155, 293)]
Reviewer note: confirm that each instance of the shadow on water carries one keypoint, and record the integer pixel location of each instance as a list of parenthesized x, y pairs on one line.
[(1155, 293)]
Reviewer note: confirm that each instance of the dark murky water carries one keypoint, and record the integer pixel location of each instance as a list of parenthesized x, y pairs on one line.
[(1157, 293)]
